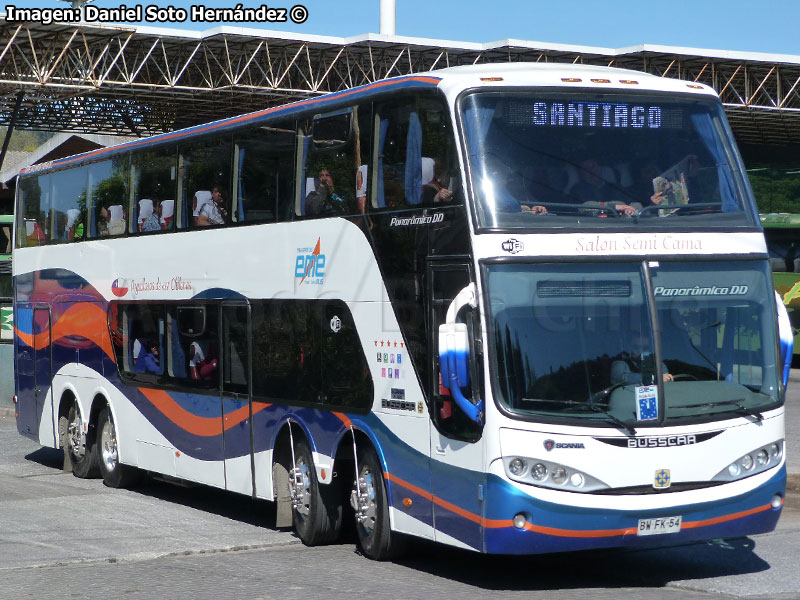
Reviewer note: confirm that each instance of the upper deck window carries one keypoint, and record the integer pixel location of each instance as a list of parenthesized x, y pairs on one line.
[(591, 160)]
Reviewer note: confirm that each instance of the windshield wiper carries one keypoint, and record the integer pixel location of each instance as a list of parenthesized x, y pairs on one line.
[(740, 408), (593, 407)]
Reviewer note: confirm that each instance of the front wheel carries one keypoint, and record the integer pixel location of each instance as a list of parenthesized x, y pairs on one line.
[(317, 509), (370, 500), (114, 474), (79, 449)]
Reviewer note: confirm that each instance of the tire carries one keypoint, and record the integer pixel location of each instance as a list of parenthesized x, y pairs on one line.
[(114, 474), (79, 450), (317, 509), (375, 536)]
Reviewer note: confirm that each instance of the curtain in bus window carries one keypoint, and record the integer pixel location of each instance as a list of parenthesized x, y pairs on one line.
[(477, 122), (240, 216), (413, 175), (303, 191), (705, 127), (384, 128)]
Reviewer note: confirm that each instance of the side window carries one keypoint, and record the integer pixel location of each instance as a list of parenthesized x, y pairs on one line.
[(347, 380), (280, 343), (265, 173), (34, 203), (154, 190), (107, 196), (235, 354), (67, 219), (331, 167), (416, 154), (206, 183), (138, 336), (192, 345), (309, 350)]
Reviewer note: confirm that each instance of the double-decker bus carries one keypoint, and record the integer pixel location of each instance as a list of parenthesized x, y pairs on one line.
[(510, 308), (782, 233)]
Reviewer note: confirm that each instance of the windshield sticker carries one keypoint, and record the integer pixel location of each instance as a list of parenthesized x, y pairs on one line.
[(646, 403), (732, 290)]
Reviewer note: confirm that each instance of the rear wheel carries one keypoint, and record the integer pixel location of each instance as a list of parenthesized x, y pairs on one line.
[(370, 500), (77, 444), (316, 509), (114, 474)]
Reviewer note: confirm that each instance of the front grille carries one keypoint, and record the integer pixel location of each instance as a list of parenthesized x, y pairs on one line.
[(583, 289), (649, 489)]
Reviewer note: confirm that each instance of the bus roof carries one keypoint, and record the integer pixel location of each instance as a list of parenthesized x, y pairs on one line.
[(451, 80)]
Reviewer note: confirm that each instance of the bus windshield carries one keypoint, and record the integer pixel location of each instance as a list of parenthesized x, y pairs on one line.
[(570, 339), (547, 159)]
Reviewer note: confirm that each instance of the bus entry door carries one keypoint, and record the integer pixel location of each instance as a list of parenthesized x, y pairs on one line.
[(456, 451), (34, 368), (237, 408)]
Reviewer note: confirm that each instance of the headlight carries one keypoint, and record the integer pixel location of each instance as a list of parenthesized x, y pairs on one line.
[(518, 466), (757, 461), (551, 475)]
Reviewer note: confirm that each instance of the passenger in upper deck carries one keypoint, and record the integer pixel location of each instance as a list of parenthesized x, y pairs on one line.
[(324, 201), (214, 212), (437, 189)]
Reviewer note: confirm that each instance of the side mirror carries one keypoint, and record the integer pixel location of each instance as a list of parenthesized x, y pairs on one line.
[(454, 354), (786, 337)]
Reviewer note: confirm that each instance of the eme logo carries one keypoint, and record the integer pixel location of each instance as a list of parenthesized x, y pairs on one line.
[(309, 267)]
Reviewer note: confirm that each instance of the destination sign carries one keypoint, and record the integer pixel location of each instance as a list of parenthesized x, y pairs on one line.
[(589, 114)]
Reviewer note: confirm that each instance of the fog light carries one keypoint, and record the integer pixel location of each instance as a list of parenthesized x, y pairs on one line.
[(777, 501), (762, 457), (517, 466), (747, 462), (576, 479), (775, 450), (520, 520), (734, 470), (559, 475), (539, 472)]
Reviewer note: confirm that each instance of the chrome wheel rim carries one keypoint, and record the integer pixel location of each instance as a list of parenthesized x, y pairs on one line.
[(75, 439), (302, 491), (369, 511), (108, 445)]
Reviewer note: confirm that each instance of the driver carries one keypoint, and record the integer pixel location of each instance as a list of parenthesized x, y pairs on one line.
[(637, 365)]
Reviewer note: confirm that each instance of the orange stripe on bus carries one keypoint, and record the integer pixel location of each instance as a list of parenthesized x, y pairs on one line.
[(87, 320), (558, 532), (194, 424), (344, 419)]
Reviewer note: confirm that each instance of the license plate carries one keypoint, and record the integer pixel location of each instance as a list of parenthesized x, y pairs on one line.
[(659, 526)]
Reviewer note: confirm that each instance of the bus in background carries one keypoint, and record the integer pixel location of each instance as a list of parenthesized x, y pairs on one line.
[(782, 232), (511, 308), (6, 312)]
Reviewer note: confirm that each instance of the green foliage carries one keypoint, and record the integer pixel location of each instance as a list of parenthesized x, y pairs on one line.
[(24, 140), (776, 190)]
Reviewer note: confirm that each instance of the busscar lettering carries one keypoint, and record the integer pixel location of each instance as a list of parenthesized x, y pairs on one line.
[(665, 441)]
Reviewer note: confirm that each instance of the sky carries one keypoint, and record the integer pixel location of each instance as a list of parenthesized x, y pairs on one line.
[(770, 26)]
